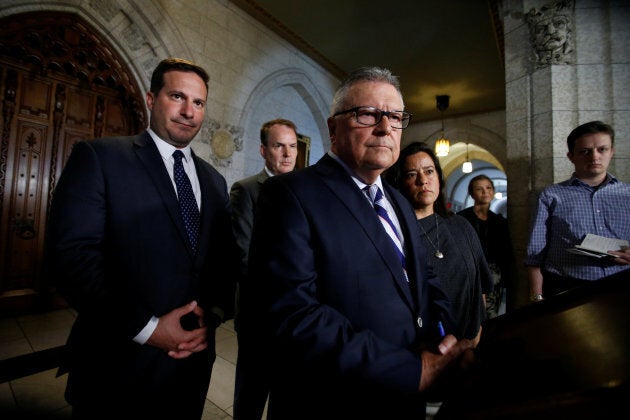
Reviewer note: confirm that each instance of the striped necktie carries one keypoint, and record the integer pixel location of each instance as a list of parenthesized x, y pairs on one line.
[(376, 196), (187, 202)]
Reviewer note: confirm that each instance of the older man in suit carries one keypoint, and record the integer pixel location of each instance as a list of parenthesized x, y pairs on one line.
[(143, 250), (349, 306), (278, 148)]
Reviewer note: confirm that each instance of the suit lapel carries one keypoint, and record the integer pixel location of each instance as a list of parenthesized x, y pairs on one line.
[(342, 186), (149, 155), (205, 185), (262, 176), (409, 225)]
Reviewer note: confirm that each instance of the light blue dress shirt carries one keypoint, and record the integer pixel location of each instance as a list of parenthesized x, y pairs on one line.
[(565, 213)]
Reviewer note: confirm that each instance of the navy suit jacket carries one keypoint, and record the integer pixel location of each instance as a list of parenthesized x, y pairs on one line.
[(119, 252), (337, 309)]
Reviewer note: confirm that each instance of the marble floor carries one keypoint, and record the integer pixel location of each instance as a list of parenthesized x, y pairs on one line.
[(40, 395), (32, 340)]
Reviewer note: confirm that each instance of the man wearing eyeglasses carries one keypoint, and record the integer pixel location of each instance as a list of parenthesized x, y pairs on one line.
[(351, 311)]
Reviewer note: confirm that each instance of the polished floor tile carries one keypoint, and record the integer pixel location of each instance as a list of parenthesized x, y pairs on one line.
[(40, 395)]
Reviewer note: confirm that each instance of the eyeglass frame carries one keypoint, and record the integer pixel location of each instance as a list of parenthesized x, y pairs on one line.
[(381, 113)]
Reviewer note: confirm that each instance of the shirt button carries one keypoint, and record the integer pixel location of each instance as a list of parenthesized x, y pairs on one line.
[(419, 321)]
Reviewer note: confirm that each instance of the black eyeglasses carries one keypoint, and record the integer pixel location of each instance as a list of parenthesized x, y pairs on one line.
[(368, 115)]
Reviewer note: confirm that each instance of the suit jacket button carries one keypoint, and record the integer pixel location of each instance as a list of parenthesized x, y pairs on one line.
[(419, 321)]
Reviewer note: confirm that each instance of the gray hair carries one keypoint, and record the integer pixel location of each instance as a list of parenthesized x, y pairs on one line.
[(371, 74)]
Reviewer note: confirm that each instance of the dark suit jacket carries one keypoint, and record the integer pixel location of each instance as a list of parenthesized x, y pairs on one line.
[(339, 313), (119, 251), (243, 197)]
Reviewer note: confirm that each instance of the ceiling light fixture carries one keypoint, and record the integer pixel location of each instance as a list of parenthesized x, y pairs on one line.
[(442, 145), (467, 166)]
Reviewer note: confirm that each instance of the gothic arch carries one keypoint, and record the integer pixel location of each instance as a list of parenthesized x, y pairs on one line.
[(125, 26), (306, 89)]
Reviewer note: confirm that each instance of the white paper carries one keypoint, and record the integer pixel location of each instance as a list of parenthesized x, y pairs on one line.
[(598, 246)]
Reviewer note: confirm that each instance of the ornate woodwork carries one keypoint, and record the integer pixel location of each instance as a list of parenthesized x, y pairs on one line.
[(60, 83)]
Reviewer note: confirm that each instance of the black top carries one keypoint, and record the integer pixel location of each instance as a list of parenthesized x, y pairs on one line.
[(463, 270), (495, 238)]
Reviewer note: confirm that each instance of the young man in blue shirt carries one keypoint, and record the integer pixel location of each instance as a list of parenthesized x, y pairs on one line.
[(591, 201)]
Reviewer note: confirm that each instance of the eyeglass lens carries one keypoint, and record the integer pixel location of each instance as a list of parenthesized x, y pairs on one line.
[(368, 115)]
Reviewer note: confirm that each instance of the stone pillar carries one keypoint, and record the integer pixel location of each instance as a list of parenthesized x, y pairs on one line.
[(567, 62)]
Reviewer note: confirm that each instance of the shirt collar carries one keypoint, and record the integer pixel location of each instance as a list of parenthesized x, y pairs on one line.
[(610, 179), (355, 178), (166, 149)]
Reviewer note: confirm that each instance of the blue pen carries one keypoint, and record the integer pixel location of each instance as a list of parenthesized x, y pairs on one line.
[(441, 329)]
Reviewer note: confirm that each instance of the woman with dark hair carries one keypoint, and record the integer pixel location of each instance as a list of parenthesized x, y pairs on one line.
[(494, 235), (454, 249)]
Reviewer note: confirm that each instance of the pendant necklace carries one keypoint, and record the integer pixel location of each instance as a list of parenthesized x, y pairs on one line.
[(438, 254)]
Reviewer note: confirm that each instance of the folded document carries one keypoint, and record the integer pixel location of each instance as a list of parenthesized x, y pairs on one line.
[(598, 246)]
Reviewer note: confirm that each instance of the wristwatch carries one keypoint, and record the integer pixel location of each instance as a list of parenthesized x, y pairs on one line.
[(537, 297)]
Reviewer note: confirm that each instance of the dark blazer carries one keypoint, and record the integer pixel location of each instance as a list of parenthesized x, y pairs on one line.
[(243, 197), (496, 240), (338, 311), (119, 252)]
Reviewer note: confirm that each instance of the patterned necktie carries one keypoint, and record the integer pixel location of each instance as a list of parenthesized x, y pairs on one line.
[(376, 196), (187, 201)]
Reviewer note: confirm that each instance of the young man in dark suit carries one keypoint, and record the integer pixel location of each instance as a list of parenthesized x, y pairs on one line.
[(150, 274)]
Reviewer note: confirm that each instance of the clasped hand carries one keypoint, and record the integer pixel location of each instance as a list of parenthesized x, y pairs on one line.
[(440, 367), (170, 336)]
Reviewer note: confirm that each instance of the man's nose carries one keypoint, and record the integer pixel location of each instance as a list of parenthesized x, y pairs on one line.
[(188, 109)]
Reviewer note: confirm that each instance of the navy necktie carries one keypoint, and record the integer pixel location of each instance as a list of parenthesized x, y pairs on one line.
[(187, 202), (376, 196)]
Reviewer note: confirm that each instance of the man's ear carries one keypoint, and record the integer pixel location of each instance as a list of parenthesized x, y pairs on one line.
[(150, 100), (332, 123)]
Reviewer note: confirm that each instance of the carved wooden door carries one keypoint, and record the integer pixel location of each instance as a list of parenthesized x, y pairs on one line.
[(59, 84)]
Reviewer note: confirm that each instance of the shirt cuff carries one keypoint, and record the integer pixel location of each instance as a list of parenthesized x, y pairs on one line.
[(146, 332)]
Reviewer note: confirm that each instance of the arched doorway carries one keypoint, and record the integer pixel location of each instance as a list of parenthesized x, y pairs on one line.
[(59, 83), (483, 162)]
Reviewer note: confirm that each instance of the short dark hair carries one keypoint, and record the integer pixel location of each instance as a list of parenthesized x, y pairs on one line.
[(264, 130), (395, 175), (478, 178), (175, 64), (591, 127), (370, 74)]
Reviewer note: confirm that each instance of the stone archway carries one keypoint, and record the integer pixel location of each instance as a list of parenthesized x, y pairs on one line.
[(297, 80)]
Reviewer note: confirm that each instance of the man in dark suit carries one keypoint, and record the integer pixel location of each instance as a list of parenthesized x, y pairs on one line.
[(349, 306), (149, 292), (278, 147)]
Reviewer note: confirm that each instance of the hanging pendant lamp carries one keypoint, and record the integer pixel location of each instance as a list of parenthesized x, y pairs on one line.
[(442, 145)]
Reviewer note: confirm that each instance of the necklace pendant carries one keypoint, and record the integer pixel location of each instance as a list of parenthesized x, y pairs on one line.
[(438, 254)]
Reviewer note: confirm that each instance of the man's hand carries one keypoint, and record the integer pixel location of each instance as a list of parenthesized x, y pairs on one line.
[(623, 256), (170, 335), (451, 359)]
